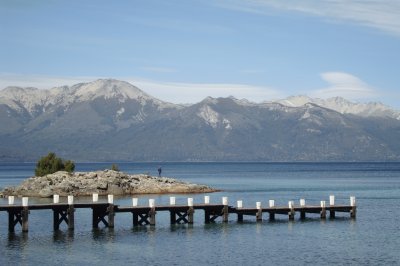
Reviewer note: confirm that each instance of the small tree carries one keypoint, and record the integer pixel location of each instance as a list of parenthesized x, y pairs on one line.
[(114, 167), (51, 163)]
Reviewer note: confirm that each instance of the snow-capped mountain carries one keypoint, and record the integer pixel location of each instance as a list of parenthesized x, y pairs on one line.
[(109, 120), (33, 99)]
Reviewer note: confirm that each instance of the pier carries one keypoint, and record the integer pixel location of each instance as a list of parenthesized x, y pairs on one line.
[(103, 213)]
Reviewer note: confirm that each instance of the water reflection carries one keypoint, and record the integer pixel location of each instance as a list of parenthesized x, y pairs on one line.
[(19, 240), (63, 236)]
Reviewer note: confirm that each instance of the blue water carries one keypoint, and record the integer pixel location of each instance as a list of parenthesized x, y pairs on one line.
[(372, 239)]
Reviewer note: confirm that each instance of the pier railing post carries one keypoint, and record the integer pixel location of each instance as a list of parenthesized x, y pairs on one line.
[(95, 197), (110, 211), (71, 211), (206, 199), (10, 200), (353, 207), (225, 210), (331, 204), (56, 198)]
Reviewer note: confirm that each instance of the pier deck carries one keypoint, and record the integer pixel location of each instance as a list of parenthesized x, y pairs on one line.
[(104, 212)]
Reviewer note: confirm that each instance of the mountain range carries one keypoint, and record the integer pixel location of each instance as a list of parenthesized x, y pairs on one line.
[(112, 120)]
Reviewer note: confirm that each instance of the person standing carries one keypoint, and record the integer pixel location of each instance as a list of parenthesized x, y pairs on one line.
[(159, 171)]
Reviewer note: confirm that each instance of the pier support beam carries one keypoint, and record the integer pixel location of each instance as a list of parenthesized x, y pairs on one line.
[(99, 214), (18, 216), (111, 214), (14, 217), (25, 216), (59, 216), (182, 217), (302, 215)]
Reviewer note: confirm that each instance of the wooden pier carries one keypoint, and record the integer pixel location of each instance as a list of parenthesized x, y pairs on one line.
[(104, 213)]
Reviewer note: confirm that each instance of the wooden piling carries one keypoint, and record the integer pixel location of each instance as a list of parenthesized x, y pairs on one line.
[(225, 210), (323, 209), (110, 211), (25, 216), (302, 211), (190, 211), (291, 211), (70, 213), (259, 212), (152, 212), (271, 212)]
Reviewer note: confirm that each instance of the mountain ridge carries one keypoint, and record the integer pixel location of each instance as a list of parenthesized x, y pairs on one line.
[(114, 120)]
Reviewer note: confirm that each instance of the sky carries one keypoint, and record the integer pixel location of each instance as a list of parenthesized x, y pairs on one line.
[(183, 51)]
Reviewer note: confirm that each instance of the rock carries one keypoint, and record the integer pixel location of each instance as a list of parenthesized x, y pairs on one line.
[(101, 182)]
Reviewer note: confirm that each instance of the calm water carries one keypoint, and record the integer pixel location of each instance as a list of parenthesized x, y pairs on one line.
[(372, 239)]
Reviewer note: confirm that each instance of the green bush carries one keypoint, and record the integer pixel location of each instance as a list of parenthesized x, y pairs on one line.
[(114, 167), (51, 163)]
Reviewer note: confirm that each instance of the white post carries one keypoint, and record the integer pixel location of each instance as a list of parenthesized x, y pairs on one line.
[(95, 197), (172, 200), (56, 198), (190, 202), (271, 203), (323, 203), (258, 205), (352, 201), (10, 200), (70, 200), (291, 204), (302, 202), (152, 203), (206, 199), (331, 200), (134, 202), (110, 199), (240, 204), (224, 201), (25, 201)]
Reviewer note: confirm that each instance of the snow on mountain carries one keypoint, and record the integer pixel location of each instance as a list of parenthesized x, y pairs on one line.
[(32, 99), (209, 116), (343, 106), (109, 88)]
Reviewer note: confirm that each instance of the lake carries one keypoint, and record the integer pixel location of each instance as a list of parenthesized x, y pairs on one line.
[(373, 238)]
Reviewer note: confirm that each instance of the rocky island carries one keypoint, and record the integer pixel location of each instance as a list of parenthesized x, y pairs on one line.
[(102, 182)]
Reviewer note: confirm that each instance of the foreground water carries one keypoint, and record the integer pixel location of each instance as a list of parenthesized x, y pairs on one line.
[(372, 239)]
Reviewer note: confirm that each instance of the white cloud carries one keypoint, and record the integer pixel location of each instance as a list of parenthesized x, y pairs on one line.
[(195, 92), (344, 85), (379, 14), (39, 81), (174, 92)]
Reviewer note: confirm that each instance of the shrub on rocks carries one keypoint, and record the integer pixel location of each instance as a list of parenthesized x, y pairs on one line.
[(51, 163)]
